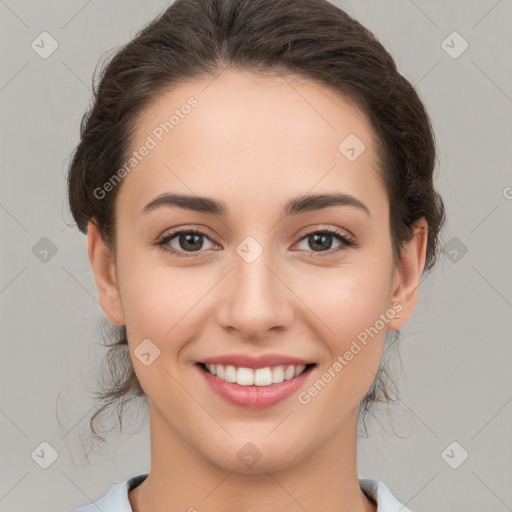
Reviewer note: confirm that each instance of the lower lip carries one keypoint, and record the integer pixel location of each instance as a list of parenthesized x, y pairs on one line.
[(255, 397)]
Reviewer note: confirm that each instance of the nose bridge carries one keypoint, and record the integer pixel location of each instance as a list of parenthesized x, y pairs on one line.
[(255, 300)]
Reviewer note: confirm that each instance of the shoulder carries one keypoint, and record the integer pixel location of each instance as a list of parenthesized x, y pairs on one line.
[(378, 490), (116, 500)]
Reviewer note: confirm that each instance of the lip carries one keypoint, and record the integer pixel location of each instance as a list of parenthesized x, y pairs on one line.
[(245, 361), (255, 397)]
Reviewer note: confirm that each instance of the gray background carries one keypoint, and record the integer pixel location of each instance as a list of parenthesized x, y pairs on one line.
[(456, 351)]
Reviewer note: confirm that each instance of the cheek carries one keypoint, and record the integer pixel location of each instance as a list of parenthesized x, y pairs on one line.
[(353, 312), (160, 302), (357, 306), (349, 305), (348, 299)]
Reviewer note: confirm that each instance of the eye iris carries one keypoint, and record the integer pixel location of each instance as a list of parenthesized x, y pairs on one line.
[(185, 240), (321, 237)]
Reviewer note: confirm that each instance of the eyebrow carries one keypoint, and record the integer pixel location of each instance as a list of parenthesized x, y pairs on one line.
[(300, 204)]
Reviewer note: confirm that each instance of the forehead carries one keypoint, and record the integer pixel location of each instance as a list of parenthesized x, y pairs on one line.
[(241, 137)]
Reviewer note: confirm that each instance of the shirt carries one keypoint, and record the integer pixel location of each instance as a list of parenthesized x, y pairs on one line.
[(116, 500)]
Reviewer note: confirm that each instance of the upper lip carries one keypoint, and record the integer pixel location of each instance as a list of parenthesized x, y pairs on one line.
[(245, 361)]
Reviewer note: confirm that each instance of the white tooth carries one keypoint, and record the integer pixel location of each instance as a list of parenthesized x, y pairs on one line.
[(289, 372), (230, 374), (263, 377), (211, 369), (245, 376), (260, 377), (299, 369), (277, 374)]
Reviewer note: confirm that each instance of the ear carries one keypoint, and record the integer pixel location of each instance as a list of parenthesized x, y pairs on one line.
[(104, 271), (407, 275)]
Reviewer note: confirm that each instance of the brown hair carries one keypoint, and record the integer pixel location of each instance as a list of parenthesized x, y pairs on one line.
[(309, 38)]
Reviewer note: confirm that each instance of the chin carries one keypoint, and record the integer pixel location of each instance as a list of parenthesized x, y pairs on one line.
[(257, 456)]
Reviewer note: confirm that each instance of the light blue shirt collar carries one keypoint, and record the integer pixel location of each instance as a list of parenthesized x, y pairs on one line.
[(116, 500)]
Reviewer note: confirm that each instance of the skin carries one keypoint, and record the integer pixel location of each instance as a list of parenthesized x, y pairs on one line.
[(254, 142)]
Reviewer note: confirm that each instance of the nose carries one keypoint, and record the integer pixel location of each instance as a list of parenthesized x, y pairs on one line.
[(255, 299)]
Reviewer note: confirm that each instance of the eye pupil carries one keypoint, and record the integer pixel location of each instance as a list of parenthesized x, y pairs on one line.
[(185, 239), (321, 237)]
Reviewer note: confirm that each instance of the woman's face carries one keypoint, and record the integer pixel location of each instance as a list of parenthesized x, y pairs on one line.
[(260, 279)]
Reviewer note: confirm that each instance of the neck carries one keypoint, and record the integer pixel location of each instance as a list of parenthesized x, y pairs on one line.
[(183, 479)]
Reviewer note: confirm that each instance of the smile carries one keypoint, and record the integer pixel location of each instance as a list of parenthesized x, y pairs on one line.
[(243, 389), (255, 377)]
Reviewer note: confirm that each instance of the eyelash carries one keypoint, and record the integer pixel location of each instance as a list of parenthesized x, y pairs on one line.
[(346, 242)]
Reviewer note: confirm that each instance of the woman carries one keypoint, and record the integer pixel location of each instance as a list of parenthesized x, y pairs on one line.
[(255, 179)]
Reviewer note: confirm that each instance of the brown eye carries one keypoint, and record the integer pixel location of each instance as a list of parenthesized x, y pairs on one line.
[(185, 241), (322, 241)]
